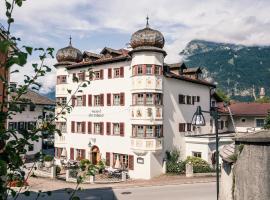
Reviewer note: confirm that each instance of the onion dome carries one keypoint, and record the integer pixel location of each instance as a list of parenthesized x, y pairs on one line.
[(147, 37), (69, 54)]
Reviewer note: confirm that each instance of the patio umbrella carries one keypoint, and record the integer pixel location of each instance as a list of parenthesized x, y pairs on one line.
[(117, 162)]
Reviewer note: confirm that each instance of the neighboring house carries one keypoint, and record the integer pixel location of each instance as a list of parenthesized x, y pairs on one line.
[(35, 106), (135, 109), (247, 116)]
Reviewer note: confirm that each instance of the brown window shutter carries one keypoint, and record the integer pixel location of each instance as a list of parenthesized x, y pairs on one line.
[(83, 153), (131, 162), (108, 128), (144, 69), (73, 100), (102, 99), (160, 70), (101, 74), (84, 100), (122, 99), (83, 127), (122, 129), (198, 98), (89, 127), (89, 100), (72, 127), (109, 99), (182, 127), (71, 153), (122, 72), (109, 73), (101, 128), (108, 158)]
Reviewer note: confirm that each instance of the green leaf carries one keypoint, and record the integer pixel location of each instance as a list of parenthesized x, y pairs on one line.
[(28, 49), (19, 2), (8, 5), (10, 20), (75, 198)]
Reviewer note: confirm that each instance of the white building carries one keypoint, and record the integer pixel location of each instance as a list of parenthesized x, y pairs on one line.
[(33, 106), (135, 109)]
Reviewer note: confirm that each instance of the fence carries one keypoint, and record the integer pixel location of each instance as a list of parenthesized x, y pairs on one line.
[(42, 171)]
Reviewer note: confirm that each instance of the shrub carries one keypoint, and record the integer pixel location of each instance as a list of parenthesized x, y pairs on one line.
[(175, 167), (101, 166), (199, 165), (48, 158), (58, 170), (84, 163)]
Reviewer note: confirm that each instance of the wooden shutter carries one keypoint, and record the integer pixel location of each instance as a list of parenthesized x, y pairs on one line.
[(108, 158), (83, 153), (101, 99), (153, 69), (84, 100), (182, 127), (109, 99), (73, 100), (198, 98), (144, 69), (101, 128), (193, 100), (101, 74), (72, 127), (89, 100), (131, 162), (122, 72), (83, 127), (89, 127), (109, 73), (122, 99), (71, 153), (122, 129), (108, 128), (181, 99)]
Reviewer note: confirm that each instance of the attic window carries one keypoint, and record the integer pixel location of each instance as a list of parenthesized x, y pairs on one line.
[(243, 120)]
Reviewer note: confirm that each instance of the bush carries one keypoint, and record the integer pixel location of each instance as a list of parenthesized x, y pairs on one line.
[(175, 167), (199, 165), (48, 158), (58, 170), (84, 163)]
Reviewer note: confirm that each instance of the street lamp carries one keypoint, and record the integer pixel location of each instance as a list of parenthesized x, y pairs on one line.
[(199, 120)]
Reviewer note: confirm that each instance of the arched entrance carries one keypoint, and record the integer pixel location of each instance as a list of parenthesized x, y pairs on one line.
[(95, 155)]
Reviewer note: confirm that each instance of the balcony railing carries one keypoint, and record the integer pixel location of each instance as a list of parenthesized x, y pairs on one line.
[(146, 144)]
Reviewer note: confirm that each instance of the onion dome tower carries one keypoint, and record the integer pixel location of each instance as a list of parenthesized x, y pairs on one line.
[(147, 95), (69, 54)]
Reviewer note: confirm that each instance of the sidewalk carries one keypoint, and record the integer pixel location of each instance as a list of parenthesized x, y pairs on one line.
[(45, 184)]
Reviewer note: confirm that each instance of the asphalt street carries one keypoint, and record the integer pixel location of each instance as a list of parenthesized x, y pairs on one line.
[(197, 191)]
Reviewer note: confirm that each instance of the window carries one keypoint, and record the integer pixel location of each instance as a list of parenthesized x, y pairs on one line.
[(140, 131), (188, 126), (198, 98), (226, 124), (116, 99), (213, 103), (22, 107), (31, 125), (259, 122), (80, 154), (61, 79), (140, 70), (97, 100), (157, 70), (32, 107), (188, 99), (117, 73), (97, 128), (149, 99), (149, 131), (62, 126), (79, 101), (116, 128), (140, 99), (243, 120), (197, 154), (181, 99), (182, 127), (123, 160), (158, 99), (148, 69), (158, 131), (97, 75), (81, 76), (79, 127)]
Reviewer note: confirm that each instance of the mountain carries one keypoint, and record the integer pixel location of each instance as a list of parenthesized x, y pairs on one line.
[(236, 69)]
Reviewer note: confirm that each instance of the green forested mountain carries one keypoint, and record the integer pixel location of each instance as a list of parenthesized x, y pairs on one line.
[(235, 68)]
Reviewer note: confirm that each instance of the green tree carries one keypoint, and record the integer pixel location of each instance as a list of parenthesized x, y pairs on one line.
[(267, 122), (264, 99), (222, 95), (12, 146)]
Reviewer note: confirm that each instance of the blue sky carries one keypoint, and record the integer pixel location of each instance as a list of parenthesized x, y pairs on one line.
[(94, 24)]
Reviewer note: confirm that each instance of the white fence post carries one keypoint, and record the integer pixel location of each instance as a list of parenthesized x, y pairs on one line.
[(124, 176), (189, 170)]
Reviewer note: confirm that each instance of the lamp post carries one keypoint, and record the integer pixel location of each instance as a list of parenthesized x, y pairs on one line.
[(199, 120)]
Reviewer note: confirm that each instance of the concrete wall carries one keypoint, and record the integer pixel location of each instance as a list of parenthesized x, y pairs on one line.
[(226, 180), (252, 174)]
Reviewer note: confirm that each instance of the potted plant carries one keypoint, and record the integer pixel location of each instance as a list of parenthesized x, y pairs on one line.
[(48, 160)]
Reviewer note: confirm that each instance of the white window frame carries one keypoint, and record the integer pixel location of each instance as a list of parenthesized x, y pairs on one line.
[(97, 128), (116, 128), (97, 75), (139, 69), (149, 99), (149, 131), (97, 100), (79, 101), (137, 131), (257, 124), (79, 127), (116, 73), (147, 70), (140, 100), (116, 99)]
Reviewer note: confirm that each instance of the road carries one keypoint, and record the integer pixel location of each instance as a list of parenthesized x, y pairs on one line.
[(198, 191)]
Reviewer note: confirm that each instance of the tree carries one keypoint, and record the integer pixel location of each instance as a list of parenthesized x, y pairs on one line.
[(222, 95), (267, 122), (12, 146), (264, 99)]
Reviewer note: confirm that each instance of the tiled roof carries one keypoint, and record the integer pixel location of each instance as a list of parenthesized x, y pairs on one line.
[(91, 54), (36, 98), (247, 108), (185, 78), (192, 70)]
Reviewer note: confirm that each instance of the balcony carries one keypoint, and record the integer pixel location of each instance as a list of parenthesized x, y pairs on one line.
[(59, 139), (144, 145)]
